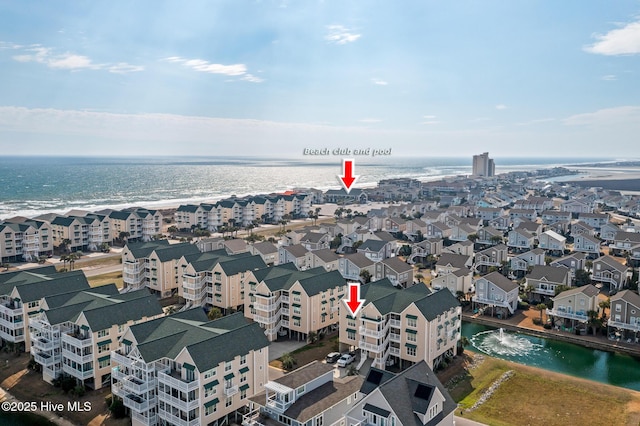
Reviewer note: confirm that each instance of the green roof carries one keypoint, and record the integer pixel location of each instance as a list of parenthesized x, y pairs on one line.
[(32, 287), (175, 251), (208, 342), (214, 401), (142, 250)]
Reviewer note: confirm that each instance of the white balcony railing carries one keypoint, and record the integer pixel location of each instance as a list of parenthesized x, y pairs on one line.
[(137, 403), (370, 347), (47, 360), (79, 341), (231, 390), (179, 403), (175, 420), (624, 325), (174, 382), (140, 418), (568, 315), (80, 359), (82, 375)]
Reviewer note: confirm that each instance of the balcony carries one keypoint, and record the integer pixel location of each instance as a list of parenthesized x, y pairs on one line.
[(175, 420), (43, 344), (47, 360), (284, 299), (151, 420), (285, 311), (370, 347), (137, 403), (132, 384), (394, 351), (82, 375), (78, 340), (491, 302), (11, 323), (545, 290), (624, 325), (80, 359), (174, 381), (394, 337), (178, 402), (267, 308), (230, 390), (376, 334), (267, 320), (562, 313)]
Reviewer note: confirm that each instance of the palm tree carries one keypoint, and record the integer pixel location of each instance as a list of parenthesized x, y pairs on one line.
[(313, 337), (64, 258), (366, 276), (64, 245), (604, 305), (594, 322), (460, 296), (540, 307), (214, 313), (472, 237), (123, 235), (72, 259), (171, 310), (463, 343), (172, 229), (419, 277), (288, 361)]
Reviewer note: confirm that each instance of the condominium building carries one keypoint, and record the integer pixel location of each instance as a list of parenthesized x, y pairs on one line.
[(21, 293), (216, 278), (483, 165), (138, 223), (154, 264), (75, 332), (81, 233), (403, 326), (25, 240), (186, 370), (289, 302)]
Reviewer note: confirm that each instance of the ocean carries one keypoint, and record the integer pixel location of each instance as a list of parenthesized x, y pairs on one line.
[(30, 186)]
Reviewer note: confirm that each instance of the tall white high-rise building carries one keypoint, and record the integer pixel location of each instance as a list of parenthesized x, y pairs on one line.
[(483, 165)]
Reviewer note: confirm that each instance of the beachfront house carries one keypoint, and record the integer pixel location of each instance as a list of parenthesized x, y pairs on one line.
[(413, 397), (426, 247), (401, 327), (497, 292), (462, 247), (135, 224), (607, 269), (25, 240), (520, 263), (493, 257), (296, 254), (574, 262), (459, 280), (552, 241), (520, 239), (595, 220), (573, 305), (183, 369), (352, 266), (266, 250), (326, 258), (588, 244), (543, 280), (625, 312), (396, 270)]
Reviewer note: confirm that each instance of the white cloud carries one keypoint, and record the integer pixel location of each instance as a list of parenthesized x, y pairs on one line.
[(69, 61), (370, 120), (379, 82), (501, 106), (339, 34), (233, 70), (621, 41), (4, 45), (608, 77), (430, 122), (606, 117), (429, 117)]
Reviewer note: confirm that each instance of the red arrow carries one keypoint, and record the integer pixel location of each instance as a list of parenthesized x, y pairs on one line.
[(353, 302), (347, 178)]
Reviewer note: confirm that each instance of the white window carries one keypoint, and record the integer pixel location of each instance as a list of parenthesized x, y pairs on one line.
[(227, 366)]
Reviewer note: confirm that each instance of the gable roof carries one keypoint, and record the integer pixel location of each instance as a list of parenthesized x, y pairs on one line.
[(588, 290), (550, 273), (397, 265), (358, 259), (410, 391), (500, 281), (455, 260)]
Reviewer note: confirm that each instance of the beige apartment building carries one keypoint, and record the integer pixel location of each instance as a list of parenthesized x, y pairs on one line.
[(216, 278), (403, 326), (186, 370), (21, 294), (154, 265), (141, 224), (75, 332), (25, 241), (82, 232), (285, 301)]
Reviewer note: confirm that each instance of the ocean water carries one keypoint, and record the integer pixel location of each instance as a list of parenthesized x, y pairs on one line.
[(34, 185)]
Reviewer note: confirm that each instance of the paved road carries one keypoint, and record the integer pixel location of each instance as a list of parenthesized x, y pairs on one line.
[(93, 271), (461, 421)]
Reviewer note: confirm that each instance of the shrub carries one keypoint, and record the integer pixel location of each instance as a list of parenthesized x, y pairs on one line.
[(537, 321), (78, 391), (547, 326), (523, 305), (117, 409)]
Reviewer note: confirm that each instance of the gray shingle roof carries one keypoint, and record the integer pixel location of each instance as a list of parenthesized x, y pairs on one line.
[(411, 391), (455, 260), (501, 281), (588, 290), (550, 273)]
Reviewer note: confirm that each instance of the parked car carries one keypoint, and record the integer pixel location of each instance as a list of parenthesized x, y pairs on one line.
[(333, 357), (345, 360)]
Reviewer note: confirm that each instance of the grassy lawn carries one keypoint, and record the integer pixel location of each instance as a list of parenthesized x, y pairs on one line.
[(535, 397), (113, 259), (111, 277)]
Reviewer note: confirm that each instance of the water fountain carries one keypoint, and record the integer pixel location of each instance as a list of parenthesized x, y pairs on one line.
[(498, 342)]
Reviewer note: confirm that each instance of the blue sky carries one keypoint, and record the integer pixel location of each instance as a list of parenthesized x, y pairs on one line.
[(427, 78)]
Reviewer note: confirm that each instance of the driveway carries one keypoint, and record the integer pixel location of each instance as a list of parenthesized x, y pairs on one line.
[(276, 349)]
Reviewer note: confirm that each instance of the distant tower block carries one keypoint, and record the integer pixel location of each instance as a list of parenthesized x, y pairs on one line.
[(483, 165)]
